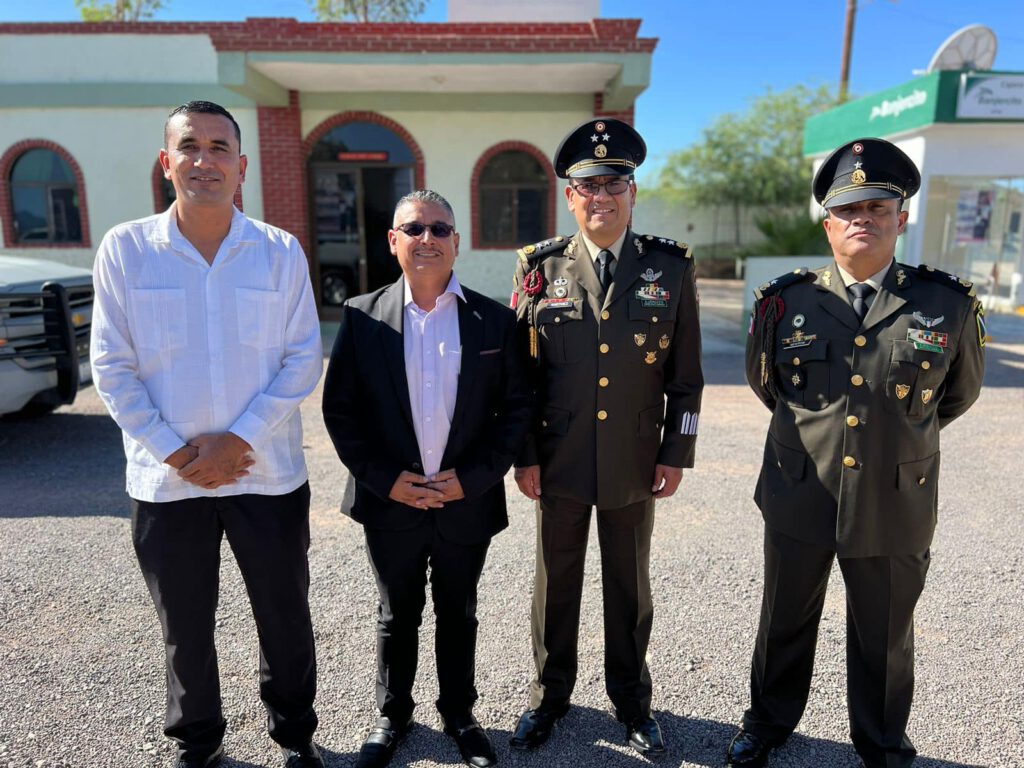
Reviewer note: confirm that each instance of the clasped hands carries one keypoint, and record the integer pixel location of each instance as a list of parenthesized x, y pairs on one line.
[(210, 461), (424, 492)]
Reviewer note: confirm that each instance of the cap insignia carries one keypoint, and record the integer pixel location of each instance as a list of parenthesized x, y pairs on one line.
[(858, 176)]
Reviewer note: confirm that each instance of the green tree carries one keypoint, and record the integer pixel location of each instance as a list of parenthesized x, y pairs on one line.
[(754, 158), (367, 10), (119, 10)]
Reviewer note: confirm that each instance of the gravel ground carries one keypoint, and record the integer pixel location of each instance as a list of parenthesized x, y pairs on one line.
[(81, 657)]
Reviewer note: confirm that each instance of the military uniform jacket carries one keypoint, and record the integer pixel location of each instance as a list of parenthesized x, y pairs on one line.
[(852, 454), (617, 378)]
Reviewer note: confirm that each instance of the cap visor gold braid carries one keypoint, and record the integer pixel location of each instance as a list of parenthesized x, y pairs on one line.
[(592, 163), (887, 185)]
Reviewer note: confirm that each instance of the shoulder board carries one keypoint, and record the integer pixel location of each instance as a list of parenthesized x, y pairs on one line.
[(537, 251), (663, 244), (965, 287), (774, 286)]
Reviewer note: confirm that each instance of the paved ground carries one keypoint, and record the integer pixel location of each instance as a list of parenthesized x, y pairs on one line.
[(81, 657)]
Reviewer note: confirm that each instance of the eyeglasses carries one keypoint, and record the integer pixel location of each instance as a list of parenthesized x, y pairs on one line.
[(438, 229), (613, 187)]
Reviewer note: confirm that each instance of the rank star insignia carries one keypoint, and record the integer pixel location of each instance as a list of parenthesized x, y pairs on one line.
[(902, 390), (926, 396), (858, 164), (594, 138), (652, 357), (796, 379), (605, 137), (650, 275)]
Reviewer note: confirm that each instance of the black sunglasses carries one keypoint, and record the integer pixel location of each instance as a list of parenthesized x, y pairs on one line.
[(416, 229)]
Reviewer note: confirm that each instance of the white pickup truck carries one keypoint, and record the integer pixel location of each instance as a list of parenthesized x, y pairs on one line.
[(45, 316)]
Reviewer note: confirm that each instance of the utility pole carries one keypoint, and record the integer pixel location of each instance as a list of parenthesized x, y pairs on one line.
[(844, 76)]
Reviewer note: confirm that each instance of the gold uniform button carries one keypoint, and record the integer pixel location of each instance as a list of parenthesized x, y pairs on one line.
[(603, 381), (849, 461), (796, 361), (925, 365), (604, 349), (922, 480), (860, 341), (605, 315), (558, 319), (856, 379), (654, 319), (543, 423), (602, 415), (852, 421)]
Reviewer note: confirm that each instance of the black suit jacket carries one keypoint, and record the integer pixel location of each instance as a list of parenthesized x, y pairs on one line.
[(369, 418)]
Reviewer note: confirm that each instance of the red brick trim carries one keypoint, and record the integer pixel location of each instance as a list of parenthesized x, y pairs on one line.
[(474, 189), (282, 34), (344, 118), (626, 115), (7, 204), (283, 169)]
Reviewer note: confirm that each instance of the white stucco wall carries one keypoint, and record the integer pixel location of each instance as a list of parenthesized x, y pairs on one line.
[(116, 150), (452, 142)]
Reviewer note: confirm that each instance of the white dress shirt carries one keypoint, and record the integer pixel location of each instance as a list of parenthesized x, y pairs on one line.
[(594, 249), (875, 281), (433, 358), (182, 348)]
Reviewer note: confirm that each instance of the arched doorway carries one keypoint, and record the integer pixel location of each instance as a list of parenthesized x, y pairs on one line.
[(358, 170)]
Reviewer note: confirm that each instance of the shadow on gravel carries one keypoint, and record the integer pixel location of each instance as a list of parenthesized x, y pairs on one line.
[(1003, 367), (724, 368), (64, 464)]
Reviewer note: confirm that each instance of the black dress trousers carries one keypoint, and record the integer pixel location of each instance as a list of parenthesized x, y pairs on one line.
[(881, 593), (178, 548)]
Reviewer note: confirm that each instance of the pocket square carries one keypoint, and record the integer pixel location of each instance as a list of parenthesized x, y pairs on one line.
[(490, 351)]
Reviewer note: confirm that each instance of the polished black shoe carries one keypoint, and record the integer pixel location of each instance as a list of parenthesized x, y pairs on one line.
[(644, 735), (302, 757), (380, 744), (201, 762), (474, 746), (535, 726), (748, 750)]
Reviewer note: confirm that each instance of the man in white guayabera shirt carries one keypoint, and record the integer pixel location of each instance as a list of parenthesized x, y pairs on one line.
[(205, 341)]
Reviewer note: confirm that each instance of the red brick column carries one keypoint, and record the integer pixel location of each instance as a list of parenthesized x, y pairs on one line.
[(283, 168)]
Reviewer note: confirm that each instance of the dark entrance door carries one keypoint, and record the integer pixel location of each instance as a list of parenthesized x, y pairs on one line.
[(357, 173)]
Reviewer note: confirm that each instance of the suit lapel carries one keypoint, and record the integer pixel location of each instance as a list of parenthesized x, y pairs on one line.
[(471, 333), (833, 299), (627, 271), (392, 311), (581, 268), (887, 300)]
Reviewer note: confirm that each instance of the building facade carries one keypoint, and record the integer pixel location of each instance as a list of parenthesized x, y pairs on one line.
[(338, 121), (965, 131)]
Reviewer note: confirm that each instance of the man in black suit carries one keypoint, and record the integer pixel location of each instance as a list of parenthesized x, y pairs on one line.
[(427, 405)]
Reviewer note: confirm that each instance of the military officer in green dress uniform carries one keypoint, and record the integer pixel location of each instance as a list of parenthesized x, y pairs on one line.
[(610, 320), (861, 362)]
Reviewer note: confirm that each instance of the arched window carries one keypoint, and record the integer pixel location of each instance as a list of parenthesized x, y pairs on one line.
[(513, 200), (45, 199)]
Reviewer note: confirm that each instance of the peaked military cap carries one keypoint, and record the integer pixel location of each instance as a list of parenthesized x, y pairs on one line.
[(865, 169), (602, 146)]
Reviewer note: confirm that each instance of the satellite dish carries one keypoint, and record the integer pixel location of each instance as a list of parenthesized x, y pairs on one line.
[(973, 47)]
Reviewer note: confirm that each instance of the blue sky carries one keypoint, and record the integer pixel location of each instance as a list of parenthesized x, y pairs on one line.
[(713, 56)]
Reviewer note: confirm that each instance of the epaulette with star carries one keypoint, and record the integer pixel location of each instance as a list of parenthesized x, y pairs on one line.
[(663, 244), (783, 281), (965, 287), (537, 251)]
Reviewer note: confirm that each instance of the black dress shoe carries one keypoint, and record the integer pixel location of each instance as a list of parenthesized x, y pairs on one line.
[(644, 735), (474, 746), (307, 756), (748, 750), (380, 744), (201, 762), (535, 726)]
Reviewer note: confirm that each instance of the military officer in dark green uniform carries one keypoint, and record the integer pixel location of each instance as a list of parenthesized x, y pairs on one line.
[(610, 320), (861, 362)]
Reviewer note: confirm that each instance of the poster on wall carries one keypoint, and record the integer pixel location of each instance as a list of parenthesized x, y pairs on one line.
[(973, 216)]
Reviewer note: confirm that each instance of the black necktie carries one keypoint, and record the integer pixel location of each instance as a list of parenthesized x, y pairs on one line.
[(605, 273), (861, 293)]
